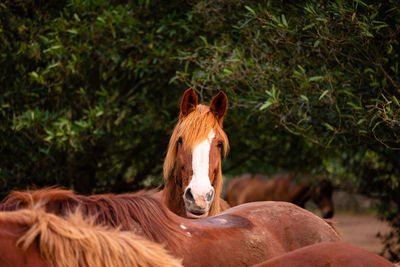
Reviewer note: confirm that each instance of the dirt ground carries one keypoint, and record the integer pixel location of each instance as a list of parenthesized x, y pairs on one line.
[(355, 222), (360, 230)]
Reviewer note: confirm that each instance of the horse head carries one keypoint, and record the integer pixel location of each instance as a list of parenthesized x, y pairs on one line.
[(192, 167), (322, 196)]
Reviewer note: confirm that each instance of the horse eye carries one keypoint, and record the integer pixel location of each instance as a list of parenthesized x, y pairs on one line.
[(180, 140), (220, 144)]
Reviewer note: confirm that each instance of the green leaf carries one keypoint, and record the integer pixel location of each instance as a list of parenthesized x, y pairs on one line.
[(284, 22), (250, 9), (304, 97), (384, 97), (301, 68), (54, 47), (330, 127), (368, 70), (396, 101), (204, 40), (354, 106), (390, 48), (266, 104), (323, 94), (227, 71), (54, 65), (360, 121), (315, 78), (73, 31), (34, 75), (76, 17), (187, 66)]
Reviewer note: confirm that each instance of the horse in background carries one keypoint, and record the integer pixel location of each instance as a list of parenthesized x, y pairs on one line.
[(241, 236), (32, 237), (282, 187), (192, 167), (332, 254)]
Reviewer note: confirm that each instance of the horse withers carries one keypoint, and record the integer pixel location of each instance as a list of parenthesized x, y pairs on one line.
[(192, 167), (282, 187)]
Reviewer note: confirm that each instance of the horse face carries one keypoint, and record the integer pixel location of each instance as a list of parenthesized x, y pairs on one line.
[(322, 196), (198, 171), (192, 167)]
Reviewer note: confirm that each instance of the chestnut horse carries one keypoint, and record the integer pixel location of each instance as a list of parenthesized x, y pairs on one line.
[(241, 236), (192, 167), (32, 237), (332, 254), (282, 187)]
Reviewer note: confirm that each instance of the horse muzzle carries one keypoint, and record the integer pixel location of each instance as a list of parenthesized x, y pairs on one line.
[(197, 206), (328, 214)]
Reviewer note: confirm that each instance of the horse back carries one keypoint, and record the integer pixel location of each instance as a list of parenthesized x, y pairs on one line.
[(333, 254), (252, 188), (243, 189)]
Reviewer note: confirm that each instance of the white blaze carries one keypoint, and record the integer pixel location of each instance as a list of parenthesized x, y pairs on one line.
[(200, 183)]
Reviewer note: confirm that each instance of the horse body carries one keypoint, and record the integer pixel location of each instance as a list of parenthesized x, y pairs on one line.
[(192, 167), (282, 187), (250, 233), (333, 254), (241, 236), (13, 255)]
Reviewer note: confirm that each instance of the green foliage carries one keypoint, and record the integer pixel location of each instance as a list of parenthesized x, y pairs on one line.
[(86, 99), (90, 90), (313, 86)]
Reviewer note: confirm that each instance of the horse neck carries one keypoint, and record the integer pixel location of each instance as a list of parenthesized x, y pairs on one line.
[(173, 197), (140, 212), (301, 194)]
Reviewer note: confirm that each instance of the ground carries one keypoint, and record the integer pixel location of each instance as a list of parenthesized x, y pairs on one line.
[(356, 220), (360, 229)]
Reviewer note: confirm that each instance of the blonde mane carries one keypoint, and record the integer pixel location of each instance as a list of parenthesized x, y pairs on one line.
[(193, 129), (77, 242)]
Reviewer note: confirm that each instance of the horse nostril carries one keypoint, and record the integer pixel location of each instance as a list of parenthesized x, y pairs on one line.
[(210, 196), (189, 195)]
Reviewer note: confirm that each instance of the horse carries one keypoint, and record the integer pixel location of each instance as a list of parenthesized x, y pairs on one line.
[(333, 254), (282, 187), (241, 236), (32, 237), (192, 166)]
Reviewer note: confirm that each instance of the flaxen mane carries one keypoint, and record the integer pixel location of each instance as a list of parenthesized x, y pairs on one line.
[(77, 242), (194, 128), (138, 212)]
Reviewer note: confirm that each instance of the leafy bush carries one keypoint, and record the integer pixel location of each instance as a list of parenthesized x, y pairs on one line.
[(86, 97), (314, 85)]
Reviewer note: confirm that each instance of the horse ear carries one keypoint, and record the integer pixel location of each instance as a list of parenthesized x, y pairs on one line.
[(189, 102), (219, 105)]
